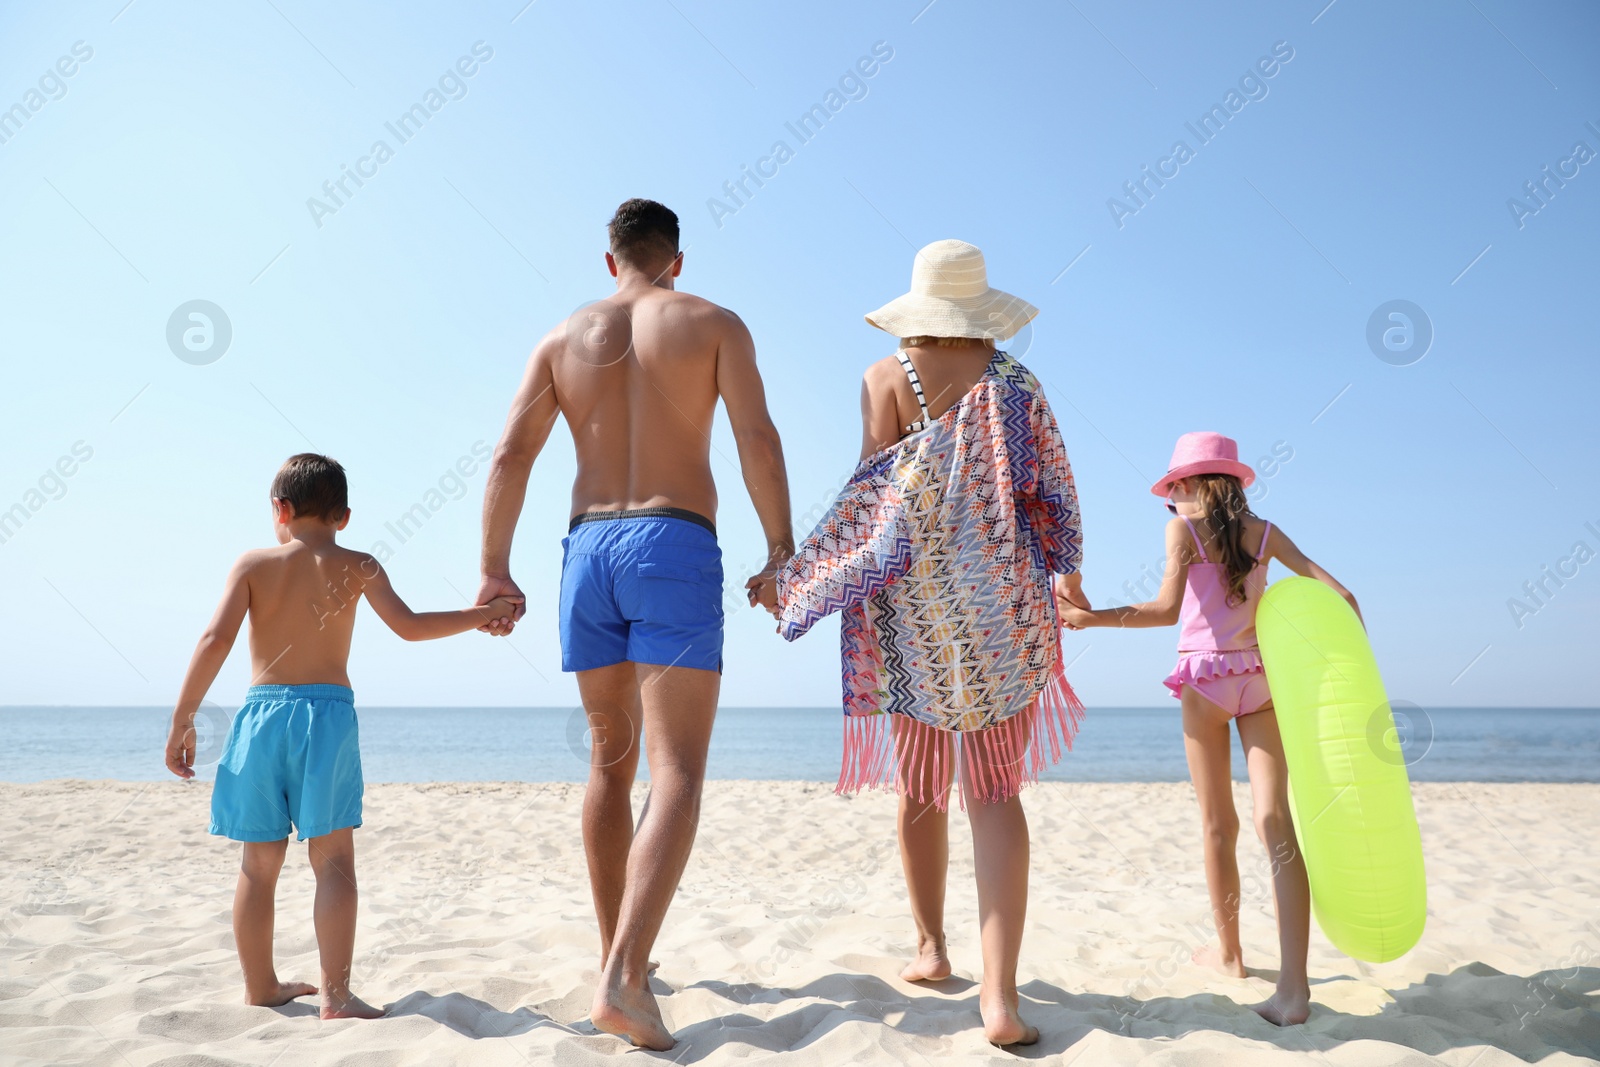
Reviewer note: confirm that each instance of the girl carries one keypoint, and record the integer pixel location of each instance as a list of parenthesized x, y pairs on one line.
[(1217, 556)]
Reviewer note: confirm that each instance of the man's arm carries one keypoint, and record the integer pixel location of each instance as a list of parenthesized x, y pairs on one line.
[(760, 448), (533, 413), (209, 655)]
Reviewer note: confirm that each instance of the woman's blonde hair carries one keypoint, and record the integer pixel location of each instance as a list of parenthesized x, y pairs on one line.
[(945, 342)]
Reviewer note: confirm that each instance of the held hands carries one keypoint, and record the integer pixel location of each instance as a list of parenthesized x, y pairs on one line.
[(762, 588), (501, 600), (1071, 605)]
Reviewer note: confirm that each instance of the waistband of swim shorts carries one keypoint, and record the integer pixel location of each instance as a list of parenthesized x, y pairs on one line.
[(299, 692), (683, 514)]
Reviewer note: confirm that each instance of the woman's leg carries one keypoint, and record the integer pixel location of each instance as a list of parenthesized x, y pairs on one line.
[(1291, 894), (1000, 858), (924, 840), (1208, 746)]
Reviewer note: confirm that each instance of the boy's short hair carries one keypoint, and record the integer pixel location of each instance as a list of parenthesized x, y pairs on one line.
[(643, 233), (314, 486)]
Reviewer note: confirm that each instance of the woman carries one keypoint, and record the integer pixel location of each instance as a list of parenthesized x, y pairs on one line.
[(938, 554)]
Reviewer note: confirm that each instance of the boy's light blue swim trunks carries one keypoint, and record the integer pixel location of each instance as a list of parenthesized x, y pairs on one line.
[(293, 759), (641, 586)]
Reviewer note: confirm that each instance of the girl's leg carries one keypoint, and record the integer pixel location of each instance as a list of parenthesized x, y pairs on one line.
[(1291, 894), (1208, 746), (924, 841), (333, 861), (254, 905), (1000, 857)]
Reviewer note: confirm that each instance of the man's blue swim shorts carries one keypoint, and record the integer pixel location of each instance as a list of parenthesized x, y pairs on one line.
[(641, 586), (293, 758)]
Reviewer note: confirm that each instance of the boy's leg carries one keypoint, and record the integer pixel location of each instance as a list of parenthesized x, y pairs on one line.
[(679, 706), (1291, 893), (254, 908), (333, 861), (924, 832), (1209, 748), (1000, 856), (611, 703)]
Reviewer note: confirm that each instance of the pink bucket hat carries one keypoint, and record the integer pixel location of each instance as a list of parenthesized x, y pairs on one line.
[(1204, 453)]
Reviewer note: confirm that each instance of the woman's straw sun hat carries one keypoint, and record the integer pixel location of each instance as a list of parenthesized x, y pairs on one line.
[(951, 297)]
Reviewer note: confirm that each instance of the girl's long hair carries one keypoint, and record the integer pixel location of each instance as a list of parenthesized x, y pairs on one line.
[(1223, 507)]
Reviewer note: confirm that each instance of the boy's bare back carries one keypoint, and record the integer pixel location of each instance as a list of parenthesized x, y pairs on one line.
[(302, 610)]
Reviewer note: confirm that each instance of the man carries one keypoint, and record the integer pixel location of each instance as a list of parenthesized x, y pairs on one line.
[(637, 377)]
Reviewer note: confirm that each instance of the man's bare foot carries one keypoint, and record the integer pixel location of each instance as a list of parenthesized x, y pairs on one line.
[(1002, 1022), (1211, 956), (348, 1006), (932, 963), (632, 1014), (281, 995), (1285, 1008)]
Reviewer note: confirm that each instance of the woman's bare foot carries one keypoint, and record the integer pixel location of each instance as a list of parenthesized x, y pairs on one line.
[(279, 995), (1211, 956), (1285, 1008), (630, 1013), (1002, 1023), (932, 963), (348, 1006)]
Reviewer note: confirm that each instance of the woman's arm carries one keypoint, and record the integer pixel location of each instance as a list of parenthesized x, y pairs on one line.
[(1162, 611), (1285, 551), (880, 422)]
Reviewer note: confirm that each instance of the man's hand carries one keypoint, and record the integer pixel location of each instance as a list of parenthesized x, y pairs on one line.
[(501, 586), (762, 588), (180, 747)]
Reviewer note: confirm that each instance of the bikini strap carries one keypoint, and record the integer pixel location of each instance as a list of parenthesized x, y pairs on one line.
[(916, 387), (1264, 535), (1196, 535)]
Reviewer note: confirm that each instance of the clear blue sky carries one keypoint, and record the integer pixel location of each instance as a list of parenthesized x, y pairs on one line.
[(176, 161)]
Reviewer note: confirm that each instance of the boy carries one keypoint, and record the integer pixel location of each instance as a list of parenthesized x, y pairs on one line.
[(292, 757)]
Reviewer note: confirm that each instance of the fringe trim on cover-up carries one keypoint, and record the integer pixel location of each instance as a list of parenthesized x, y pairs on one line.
[(899, 753)]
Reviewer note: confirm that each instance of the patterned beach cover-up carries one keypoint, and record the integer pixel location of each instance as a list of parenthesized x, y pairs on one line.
[(938, 554)]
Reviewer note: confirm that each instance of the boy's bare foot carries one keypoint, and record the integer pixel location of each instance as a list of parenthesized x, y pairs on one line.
[(932, 963), (1211, 956), (1285, 1008), (1002, 1023), (280, 995), (632, 1014), (349, 1006)]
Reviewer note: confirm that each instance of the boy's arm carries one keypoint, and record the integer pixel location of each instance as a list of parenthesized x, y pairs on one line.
[(1162, 611), (425, 625), (209, 655)]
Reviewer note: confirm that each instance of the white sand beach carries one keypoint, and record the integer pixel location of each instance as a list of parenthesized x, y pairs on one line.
[(786, 936)]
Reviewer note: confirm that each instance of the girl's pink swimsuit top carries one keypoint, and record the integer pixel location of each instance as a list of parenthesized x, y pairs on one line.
[(1217, 638)]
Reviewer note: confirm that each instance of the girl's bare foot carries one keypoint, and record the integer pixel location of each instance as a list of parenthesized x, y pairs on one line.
[(280, 994), (1211, 956), (630, 1013), (348, 1006), (1285, 1008), (1002, 1023), (932, 963)]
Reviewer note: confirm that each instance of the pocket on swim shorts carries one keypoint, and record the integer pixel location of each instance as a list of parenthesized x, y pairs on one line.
[(684, 585)]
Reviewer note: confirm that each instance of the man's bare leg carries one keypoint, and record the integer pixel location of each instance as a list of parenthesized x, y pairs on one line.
[(333, 861), (254, 905), (679, 706), (611, 702)]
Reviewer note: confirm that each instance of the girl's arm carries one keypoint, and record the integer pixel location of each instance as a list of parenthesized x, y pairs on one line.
[(209, 655), (1162, 611), (427, 625), (1285, 551)]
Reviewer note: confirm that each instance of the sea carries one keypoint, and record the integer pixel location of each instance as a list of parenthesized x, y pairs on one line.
[(793, 744)]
